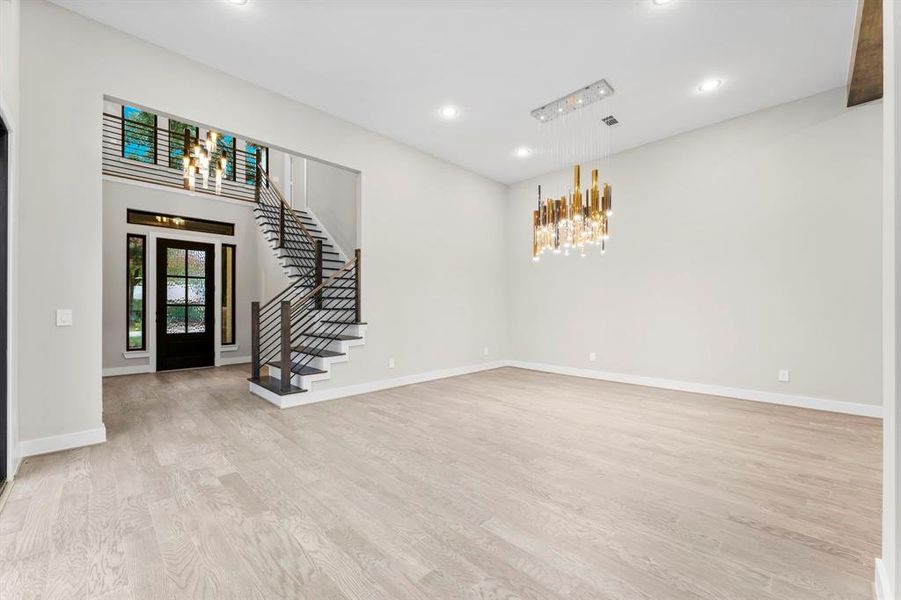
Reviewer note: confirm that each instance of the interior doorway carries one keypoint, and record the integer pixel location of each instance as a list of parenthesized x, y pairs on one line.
[(185, 308)]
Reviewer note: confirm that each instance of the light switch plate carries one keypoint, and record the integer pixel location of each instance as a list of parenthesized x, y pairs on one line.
[(63, 317), (391, 363), (785, 375), (592, 356)]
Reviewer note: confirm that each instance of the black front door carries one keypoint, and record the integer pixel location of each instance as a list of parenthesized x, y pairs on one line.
[(184, 299)]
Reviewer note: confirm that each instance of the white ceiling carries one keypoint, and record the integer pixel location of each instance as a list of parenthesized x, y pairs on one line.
[(390, 65)]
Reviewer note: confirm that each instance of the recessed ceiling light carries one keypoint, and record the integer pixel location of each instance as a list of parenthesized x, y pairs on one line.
[(661, 2), (710, 85), (450, 112), (238, 2), (522, 152)]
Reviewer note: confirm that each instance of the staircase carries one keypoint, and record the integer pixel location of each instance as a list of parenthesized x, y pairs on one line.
[(306, 328)]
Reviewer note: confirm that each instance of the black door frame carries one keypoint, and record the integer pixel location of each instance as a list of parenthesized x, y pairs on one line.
[(205, 343), (4, 302)]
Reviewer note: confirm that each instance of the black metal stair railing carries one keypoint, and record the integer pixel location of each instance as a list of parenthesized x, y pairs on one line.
[(320, 305)]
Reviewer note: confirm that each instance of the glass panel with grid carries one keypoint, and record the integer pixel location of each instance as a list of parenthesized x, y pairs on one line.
[(185, 291)]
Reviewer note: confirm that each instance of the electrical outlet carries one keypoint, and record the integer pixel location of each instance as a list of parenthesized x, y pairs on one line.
[(785, 375), (592, 356), (485, 350), (391, 363)]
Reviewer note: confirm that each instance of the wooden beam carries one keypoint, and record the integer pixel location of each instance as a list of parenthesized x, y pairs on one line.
[(865, 74)]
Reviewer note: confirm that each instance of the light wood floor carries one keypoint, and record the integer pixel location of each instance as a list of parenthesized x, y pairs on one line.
[(505, 484)]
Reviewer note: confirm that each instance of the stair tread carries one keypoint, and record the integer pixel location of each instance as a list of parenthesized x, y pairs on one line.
[(299, 369), (320, 352), (273, 384), (333, 336), (343, 322)]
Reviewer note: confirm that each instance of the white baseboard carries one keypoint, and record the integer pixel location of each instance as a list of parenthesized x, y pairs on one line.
[(313, 396), (851, 408), (115, 371), (882, 590), (55, 443), (233, 360)]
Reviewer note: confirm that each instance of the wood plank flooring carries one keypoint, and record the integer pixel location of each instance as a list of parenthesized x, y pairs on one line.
[(498, 485)]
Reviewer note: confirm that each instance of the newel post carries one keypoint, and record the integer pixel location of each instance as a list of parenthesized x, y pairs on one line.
[(318, 274), (255, 340), (285, 364), (358, 256)]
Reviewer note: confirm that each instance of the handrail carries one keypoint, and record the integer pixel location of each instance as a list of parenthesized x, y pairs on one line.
[(284, 203)]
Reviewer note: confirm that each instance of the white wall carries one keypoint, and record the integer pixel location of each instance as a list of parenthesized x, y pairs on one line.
[(888, 569), (447, 264), (737, 249), (331, 194), (9, 110), (257, 270)]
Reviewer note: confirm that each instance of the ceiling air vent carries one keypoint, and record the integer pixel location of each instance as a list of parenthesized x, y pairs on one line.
[(610, 121)]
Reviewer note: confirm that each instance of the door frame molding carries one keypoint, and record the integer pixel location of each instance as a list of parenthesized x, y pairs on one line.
[(150, 326), (13, 450)]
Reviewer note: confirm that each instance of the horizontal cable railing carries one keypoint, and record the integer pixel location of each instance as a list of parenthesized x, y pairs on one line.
[(151, 154), (316, 309)]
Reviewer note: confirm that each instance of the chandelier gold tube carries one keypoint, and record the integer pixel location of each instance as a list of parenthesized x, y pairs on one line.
[(577, 193), (595, 195), (535, 225)]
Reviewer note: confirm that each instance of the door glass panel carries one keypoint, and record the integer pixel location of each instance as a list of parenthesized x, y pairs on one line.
[(196, 319), (175, 290), (175, 261), (175, 319), (196, 291), (196, 263)]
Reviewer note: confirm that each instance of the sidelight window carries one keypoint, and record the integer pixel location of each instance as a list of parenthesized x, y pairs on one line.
[(136, 262), (228, 294)]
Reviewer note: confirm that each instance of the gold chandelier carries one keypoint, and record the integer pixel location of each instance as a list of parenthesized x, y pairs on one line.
[(196, 160), (562, 224)]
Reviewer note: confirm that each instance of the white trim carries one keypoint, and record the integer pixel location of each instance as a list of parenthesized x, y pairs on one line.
[(55, 443), (310, 397), (229, 348), (115, 371), (882, 589), (851, 408), (136, 354), (234, 360)]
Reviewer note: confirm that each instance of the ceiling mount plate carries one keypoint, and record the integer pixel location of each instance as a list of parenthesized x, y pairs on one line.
[(576, 100)]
